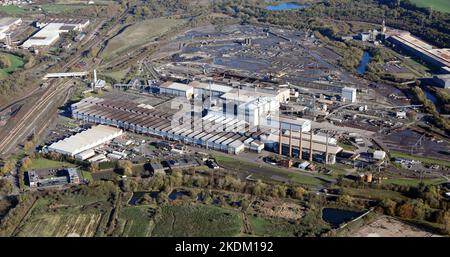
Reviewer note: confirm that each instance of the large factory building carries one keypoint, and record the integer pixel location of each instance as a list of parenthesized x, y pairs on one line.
[(50, 31), (86, 140), (436, 57), (213, 131)]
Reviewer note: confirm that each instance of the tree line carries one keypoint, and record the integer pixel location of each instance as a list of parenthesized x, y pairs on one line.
[(434, 27)]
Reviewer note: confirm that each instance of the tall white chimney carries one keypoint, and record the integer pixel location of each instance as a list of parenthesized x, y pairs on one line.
[(95, 77)]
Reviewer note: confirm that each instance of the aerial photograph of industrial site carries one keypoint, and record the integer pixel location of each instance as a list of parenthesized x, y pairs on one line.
[(224, 118)]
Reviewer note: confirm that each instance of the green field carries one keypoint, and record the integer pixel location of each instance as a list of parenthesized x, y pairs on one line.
[(12, 63), (413, 182), (135, 221), (117, 75), (42, 163), (60, 225), (347, 147), (12, 10), (198, 220), (337, 170), (304, 179), (87, 175), (437, 5), (139, 34), (61, 8), (375, 194), (271, 227), (82, 212), (427, 160)]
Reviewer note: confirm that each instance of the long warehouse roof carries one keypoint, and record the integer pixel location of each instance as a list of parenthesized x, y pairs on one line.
[(87, 139)]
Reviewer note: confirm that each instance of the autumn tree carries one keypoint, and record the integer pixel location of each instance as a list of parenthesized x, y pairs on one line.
[(28, 146), (389, 206), (259, 188), (93, 167), (345, 200), (126, 167), (176, 178), (405, 211), (8, 166), (446, 221), (26, 163), (279, 191), (298, 192)]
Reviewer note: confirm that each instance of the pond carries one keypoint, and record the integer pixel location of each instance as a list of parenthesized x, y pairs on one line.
[(178, 194), (430, 96), (285, 6), (365, 59), (336, 217), (137, 197)]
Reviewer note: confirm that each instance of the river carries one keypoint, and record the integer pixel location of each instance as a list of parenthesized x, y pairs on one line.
[(365, 59), (430, 96)]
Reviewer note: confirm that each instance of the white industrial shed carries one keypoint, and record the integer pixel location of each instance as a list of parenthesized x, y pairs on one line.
[(207, 89), (178, 89), (85, 140), (236, 147), (50, 32), (379, 155)]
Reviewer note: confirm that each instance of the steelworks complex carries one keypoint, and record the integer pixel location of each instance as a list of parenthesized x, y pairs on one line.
[(436, 57), (232, 121)]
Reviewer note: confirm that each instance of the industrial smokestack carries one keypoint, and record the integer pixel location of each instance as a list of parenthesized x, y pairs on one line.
[(310, 146), (290, 141), (95, 77), (280, 143), (300, 145), (326, 150)]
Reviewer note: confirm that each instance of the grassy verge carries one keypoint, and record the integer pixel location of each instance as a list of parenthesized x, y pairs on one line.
[(347, 147), (337, 169), (87, 175), (12, 10), (304, 179), (375, 194), (13, 63), (62, 8), (413, 182), (265, 170), (42, 163)]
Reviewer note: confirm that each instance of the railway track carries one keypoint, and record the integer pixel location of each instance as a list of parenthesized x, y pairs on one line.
[(31, 118)]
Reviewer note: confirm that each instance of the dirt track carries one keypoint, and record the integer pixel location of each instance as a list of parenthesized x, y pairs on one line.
[(390, 227)]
